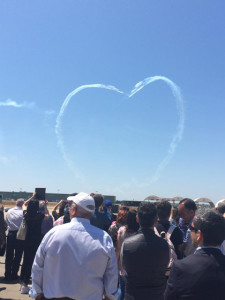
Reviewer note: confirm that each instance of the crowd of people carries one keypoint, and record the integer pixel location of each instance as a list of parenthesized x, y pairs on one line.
[(83, 251)]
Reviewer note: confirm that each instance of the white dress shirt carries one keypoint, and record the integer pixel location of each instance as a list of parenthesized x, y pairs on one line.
[(14, 218), (75, 260)]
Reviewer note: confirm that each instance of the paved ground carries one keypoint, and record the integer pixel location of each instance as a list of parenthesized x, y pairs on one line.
[(9, 290)]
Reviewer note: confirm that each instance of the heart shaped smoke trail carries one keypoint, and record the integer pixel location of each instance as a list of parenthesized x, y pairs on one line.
[(140, 85), (58, 129), (177, 137)]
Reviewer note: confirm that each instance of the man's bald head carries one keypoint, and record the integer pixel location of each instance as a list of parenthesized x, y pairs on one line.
[(20, 202)]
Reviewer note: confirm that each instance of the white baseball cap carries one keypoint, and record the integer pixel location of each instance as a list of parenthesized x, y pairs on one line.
[(84, 200)]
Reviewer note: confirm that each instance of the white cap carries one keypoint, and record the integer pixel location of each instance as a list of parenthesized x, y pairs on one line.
[(84, 200)]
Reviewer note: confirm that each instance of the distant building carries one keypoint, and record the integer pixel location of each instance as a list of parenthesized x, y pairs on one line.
[(51, 197)]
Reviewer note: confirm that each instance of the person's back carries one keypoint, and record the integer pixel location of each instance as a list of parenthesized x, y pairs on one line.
[(100, 217), (145, 257), (221, 209), (76, 260), (163, 225), (201, 275), (14, 250), (77, 242), (100, 220)]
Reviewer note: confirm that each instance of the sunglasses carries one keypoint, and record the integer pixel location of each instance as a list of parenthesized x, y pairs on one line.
[(193, 228)]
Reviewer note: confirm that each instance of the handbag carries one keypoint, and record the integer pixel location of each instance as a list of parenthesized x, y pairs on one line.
[(22, 232)]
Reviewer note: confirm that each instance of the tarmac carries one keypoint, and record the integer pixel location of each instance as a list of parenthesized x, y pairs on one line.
[(9, 290)]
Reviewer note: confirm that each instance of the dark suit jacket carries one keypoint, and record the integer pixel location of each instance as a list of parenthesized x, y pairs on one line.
[(145, 257), (199, 276)]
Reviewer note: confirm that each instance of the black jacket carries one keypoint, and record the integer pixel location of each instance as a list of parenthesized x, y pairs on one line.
[(199, 276), (145, 257)]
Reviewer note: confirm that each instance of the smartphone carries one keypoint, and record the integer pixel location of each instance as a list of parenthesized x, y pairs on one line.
[(40, 193)]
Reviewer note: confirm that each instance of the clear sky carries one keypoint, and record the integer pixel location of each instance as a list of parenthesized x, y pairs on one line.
[(112, 144)]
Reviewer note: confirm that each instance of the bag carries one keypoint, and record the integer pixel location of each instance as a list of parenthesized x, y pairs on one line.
[(166, 236), (22, 232)]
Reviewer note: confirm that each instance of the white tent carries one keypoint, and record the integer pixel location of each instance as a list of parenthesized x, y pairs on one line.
[(152, 197), (221, 201), (205, 200)]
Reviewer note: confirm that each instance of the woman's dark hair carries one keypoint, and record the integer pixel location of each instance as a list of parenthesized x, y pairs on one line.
[(122, 215), (61, 208), (99, 199), (132, 225), (42, 206), (32, 208)]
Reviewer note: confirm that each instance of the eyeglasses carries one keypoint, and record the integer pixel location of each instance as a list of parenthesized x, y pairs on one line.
[(193, 228)]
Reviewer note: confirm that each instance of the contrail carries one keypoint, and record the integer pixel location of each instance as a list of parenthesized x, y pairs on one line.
[(13, 103), (140, 85), (58, 125), (180, 109)]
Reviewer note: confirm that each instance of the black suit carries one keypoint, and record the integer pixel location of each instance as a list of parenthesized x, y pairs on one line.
[(145, 257), (199, 276)]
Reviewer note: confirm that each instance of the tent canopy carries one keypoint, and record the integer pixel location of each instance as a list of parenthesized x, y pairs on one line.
[(205, 200)]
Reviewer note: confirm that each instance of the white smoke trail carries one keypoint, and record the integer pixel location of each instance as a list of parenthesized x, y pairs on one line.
[(58, 125), (13, 103), (140, 85), (180, 108)]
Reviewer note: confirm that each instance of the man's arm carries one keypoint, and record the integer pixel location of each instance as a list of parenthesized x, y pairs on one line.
[(171, 288), (37, 270), (110, 278)]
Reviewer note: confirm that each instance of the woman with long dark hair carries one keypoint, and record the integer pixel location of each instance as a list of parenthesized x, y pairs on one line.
[(33, 219)]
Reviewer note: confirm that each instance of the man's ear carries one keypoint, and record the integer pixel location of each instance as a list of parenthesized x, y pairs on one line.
[(199, 237), (73, 210)]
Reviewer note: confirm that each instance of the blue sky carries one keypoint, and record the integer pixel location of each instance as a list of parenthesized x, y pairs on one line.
[(112, 143)]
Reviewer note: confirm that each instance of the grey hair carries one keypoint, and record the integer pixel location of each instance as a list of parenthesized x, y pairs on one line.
[(20, 202)]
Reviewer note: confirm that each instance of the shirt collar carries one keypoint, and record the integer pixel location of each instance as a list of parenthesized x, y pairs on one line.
[(19, 207), (206, 247)]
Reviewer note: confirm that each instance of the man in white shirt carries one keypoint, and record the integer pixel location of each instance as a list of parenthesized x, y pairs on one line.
[(14, 247), (76, 260)]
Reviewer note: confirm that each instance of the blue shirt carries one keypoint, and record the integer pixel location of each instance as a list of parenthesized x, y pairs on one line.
[(75, 260)]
